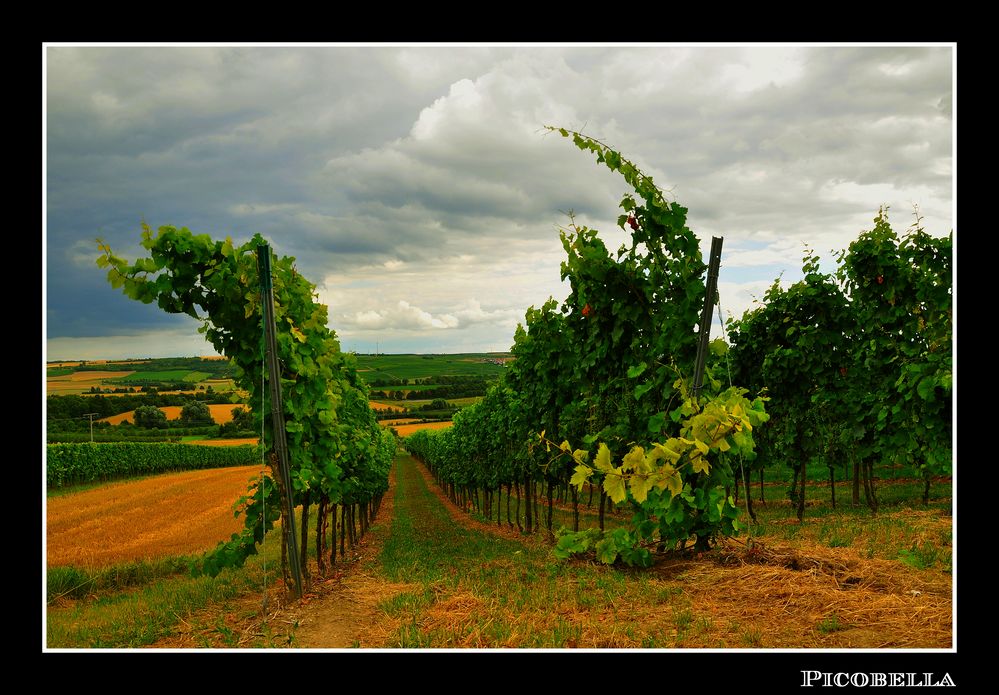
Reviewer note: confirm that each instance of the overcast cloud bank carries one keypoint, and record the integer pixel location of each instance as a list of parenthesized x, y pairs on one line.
[(417, 187)]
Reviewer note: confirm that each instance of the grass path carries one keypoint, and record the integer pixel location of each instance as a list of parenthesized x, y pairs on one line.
[(418, 554)]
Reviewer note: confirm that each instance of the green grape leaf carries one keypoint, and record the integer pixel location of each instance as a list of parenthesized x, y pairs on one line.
[(606, 550), (656, 423), (637, 370), (642, 389)]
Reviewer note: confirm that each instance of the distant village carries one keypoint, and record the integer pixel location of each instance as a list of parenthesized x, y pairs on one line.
[(501, 361)]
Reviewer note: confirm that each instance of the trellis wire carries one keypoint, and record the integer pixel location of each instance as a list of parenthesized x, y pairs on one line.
[(728, 368)]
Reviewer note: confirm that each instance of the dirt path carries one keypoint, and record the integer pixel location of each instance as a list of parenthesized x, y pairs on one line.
[(345, 612), (342, 612)]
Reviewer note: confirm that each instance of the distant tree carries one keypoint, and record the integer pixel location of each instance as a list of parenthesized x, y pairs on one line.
[(227, 430), (196, 413), (150, 416), (242, 419), (439, 404)]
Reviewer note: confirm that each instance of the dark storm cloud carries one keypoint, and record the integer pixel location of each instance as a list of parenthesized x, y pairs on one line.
[(411, 182)]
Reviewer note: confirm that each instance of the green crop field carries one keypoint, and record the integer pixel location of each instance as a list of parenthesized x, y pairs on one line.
[(168, 375), (417, 402), (407, 367), (407, 388)]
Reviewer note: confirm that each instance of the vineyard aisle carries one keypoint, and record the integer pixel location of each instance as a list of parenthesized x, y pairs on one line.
[(429, 576), (409, 573)]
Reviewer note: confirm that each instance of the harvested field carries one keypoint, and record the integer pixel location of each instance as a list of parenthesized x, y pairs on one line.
[(400, 421), (406, 430), (375, 405), (79, 382), (219, 384), (221, 413), (166, 515)]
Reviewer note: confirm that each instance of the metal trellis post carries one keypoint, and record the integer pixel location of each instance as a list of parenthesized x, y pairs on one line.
[(277, 409)]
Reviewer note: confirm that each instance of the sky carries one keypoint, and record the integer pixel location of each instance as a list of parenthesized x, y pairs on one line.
[(417, 188)]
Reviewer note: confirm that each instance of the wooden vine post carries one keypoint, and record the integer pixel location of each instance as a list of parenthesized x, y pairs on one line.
[(710, 293), (277, 412)]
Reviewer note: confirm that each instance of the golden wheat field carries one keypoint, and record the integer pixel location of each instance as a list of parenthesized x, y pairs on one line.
[(80, 382), (221, 413), (174, 514), (406, 430)]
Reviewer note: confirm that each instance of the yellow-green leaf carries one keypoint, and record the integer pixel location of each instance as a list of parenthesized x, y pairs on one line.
[(581, 475), (634, 458), (603, 459), (640, 486), (580, 456), (667, 478), (668, 451), (700, 464), (614, 486)]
